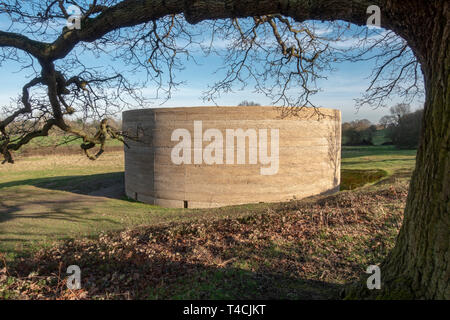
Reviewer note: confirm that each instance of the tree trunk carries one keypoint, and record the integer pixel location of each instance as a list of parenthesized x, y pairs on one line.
[(419, 265), (421, 255)]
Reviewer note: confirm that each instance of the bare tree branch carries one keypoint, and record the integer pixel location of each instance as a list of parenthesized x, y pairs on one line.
[(275, 44)]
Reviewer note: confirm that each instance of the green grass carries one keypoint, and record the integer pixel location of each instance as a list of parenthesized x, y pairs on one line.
[(56, 140), (55, 143), (352, 179), (239, 283), (379, 137), (295, 250), (38, 217), (368, 164), (46, 199), (386, 158)]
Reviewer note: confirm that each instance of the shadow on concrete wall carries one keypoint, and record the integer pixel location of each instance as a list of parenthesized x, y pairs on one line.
[(334, 152)]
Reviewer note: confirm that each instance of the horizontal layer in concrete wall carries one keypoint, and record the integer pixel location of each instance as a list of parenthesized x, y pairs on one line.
[(308, 161)]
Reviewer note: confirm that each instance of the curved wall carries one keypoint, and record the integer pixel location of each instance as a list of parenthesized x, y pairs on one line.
[(308, 161)]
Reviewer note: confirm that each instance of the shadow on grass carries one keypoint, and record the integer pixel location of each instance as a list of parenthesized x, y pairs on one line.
[(230, 283), (143, 277), (109, 185), (59, 209), (352, 179), (39, 218)]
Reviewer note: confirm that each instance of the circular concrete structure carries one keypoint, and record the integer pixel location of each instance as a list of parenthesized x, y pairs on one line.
[(215, 156)]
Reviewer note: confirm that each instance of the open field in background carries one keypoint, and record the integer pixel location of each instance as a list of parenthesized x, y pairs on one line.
[(361, 165), (57, 141), (300, 249), (60, 145)]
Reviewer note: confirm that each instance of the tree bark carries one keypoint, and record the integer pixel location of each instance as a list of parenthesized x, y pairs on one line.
[(419, 265), (421, 255)]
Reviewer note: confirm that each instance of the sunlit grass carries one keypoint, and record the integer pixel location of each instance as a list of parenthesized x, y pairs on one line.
[(43, 199)]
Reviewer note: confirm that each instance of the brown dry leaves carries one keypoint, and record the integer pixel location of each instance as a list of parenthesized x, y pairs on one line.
[(330, 239)]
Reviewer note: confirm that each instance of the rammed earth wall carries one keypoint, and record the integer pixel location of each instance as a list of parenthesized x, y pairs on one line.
[(217, 156)]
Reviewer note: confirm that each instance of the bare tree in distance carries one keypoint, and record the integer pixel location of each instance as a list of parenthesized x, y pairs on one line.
[(280, 46), (385, 121), (396, 113), (246, 103), (399, 110), (405, 131)]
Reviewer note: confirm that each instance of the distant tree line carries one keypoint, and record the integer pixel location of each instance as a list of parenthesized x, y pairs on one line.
[(358, 133), (246, 103), (402, 128)]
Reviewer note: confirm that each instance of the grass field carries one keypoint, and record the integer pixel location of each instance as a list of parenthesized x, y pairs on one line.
[(361, 165), (59, 198), (57, 145), (55, 141)]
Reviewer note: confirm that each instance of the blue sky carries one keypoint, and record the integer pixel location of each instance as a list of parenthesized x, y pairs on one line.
[(347, 83)]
